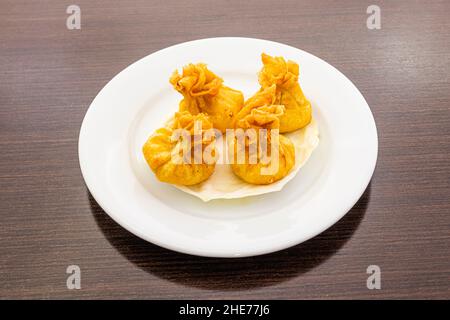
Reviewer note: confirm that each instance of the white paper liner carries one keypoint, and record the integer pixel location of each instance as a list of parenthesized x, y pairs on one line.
[(224, 184)]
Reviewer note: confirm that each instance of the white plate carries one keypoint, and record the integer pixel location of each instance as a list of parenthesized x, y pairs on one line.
[(140, 99)]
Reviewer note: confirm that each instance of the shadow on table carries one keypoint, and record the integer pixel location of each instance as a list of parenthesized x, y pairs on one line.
[(237, 273)]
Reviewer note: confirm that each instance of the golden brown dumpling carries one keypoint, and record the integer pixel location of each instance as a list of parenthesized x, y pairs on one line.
[(276, 71), (263, 97), (167, 156), (203, 91), (270, 165)]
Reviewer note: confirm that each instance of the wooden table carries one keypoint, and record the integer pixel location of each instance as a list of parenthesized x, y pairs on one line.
[(49, 75)]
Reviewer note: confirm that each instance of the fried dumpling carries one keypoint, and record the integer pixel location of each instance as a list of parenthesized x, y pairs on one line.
[(261, 165), (173, 155), (284, 75), (203, 91), (263, 97)]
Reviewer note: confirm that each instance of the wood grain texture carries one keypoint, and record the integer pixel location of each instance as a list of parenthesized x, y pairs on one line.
[(49, 75)]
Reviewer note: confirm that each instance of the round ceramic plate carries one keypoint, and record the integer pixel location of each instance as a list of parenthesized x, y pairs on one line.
[(140, 99)]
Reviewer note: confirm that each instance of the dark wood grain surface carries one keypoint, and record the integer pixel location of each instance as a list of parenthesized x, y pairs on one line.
[(48, 220)]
